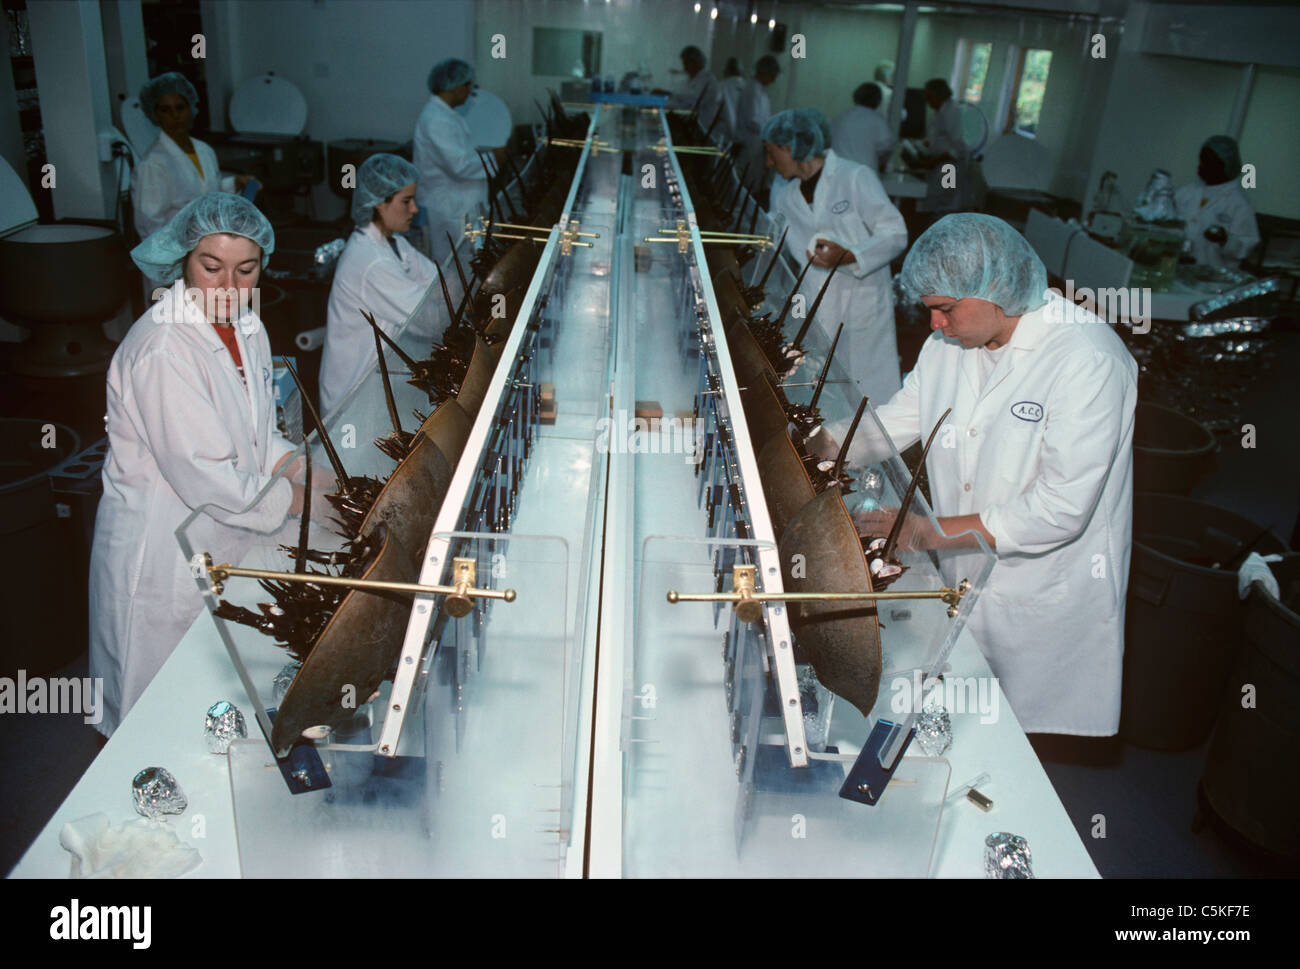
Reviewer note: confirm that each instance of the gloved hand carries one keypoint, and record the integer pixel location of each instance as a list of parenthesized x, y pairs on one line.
[(1255, 569)]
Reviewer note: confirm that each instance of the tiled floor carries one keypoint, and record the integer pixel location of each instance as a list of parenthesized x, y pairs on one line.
[(1147, 798)]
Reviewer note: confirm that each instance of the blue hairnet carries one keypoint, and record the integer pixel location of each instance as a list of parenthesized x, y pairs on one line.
[(161, 257), (1227, 150), (967, 255), (823, 123), (797, 130), (379, 177), (448, 74), (172, 82)]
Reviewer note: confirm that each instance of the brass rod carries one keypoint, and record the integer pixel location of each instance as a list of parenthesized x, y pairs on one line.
[(221, 572), (675, 596), (537, 228)]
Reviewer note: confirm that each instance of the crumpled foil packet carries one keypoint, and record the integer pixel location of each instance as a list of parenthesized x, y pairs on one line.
[(934, 730), (223, 724), (283, 679), (157, 793), (1007, 856)]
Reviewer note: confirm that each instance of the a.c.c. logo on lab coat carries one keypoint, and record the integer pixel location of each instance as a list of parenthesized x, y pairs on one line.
[(1027, 410), (839, 207)]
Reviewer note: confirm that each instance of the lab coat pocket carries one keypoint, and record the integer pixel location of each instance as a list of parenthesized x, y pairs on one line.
[(1016, 452)]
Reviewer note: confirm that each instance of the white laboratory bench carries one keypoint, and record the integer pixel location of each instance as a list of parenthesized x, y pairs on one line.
[(165, 729), (548, 704)]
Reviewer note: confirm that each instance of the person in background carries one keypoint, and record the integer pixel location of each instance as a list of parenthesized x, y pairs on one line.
[(944, 147), (836, 210), (191, 425), (860, 133), (379, 272), (178, 168), (1043, 395), (884, 79), (452, 185), (752, 111), (703, 94), (733, 85), (1219, 222)]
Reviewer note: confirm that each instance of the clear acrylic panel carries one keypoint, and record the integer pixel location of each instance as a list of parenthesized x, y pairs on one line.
[(709, 790), (483, 784)]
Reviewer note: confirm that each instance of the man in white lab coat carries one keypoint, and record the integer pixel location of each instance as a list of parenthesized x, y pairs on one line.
[(381, 273), (1219, 223), (947, 190), (191, 426), (752, 111), (178, 168), (452, 183), (1036, 457), (703, 94), (860, 134), (836, 209)]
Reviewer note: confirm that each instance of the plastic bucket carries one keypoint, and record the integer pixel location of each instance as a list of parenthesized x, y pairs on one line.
[(1171, 452), (1252, 773), (1183, 618)]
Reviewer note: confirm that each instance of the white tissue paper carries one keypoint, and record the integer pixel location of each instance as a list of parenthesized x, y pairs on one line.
[(822, 236), (134, 849), (1255, 569)]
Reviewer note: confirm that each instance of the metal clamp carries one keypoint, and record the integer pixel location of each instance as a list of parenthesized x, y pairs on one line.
[(458, 603), (748, 603)]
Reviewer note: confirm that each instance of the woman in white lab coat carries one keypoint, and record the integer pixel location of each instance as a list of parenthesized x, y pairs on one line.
[(178, 168), (836, 208), (452, 184), (379, 272), (1219, 223), (1038, 460), (191, 425)]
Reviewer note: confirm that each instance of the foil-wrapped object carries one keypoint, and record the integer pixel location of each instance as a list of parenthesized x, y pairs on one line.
[(223, 724), (280, 685), (157, 793), (817, 703), (872, 488), (934, 730), (1007, 856), (1156, 203), (328, 253)]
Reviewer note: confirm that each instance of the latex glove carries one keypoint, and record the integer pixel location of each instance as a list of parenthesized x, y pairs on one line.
[(134, 849), (1255, 569)]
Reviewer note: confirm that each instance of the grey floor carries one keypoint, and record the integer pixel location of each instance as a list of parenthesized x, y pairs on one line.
[(1148, 798)]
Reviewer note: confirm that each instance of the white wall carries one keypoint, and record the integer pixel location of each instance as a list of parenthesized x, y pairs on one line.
[(361, 64), (635, 35), (1160, 109)]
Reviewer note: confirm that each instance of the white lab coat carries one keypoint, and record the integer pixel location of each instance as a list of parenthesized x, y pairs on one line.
[(712, 105), (860, 134), (850, 208), (1202, 206), (371, 276), (943, 132), (184, 433), (752, 111), (1043, 453), (452, 184), (165, 181)]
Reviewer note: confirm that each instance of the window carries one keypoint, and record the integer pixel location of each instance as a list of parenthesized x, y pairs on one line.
[(1030, 87), (977, 70), (566, 53)]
